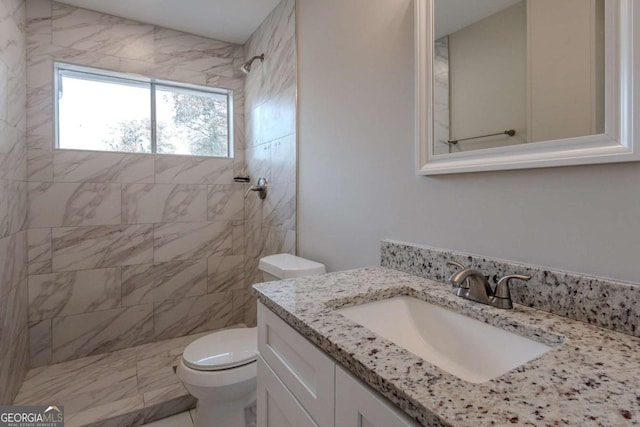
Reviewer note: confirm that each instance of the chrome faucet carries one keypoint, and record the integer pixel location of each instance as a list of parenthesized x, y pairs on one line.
[(473, 285)]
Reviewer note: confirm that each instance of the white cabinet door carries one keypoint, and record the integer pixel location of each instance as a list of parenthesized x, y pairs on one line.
[(302, 367), (276, 405), (357, 405)]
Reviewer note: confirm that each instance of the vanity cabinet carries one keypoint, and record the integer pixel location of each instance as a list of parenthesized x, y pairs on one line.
[(277, 406), (305, 371), (299, 385), (357, 405)]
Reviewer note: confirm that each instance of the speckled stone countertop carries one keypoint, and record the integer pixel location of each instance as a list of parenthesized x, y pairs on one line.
[(590, 378)]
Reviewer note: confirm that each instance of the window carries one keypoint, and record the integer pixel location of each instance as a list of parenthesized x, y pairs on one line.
[(106, 111)]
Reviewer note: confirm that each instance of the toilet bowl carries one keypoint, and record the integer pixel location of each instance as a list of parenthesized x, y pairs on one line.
[(220, 369)]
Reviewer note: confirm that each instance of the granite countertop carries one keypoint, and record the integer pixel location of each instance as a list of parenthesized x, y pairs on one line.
[(590, 378)]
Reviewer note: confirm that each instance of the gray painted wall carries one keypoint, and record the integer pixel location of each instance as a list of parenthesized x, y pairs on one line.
[(356, 155)]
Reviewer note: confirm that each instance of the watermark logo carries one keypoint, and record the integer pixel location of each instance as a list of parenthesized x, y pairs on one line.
[(31, 416)]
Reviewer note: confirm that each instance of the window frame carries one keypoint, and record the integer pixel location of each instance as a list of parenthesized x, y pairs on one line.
[(115, 77)]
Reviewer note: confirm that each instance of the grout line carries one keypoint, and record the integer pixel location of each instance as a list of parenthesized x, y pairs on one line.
[(122, 204), (121, 290)]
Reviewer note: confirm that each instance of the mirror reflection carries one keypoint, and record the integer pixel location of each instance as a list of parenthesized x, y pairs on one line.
[(510, 72)]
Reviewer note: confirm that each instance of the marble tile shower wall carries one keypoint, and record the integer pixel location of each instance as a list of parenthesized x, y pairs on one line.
[(13, 200), (441, 96), (126, 249), (270, 113)]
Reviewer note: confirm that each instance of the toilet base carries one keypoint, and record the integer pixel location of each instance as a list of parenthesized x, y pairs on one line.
[(225, 414)]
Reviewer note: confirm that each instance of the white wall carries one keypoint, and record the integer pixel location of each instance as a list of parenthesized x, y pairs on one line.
[(356, 157)]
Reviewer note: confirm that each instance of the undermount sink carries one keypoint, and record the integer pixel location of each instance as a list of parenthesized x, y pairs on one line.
[(467, 348)]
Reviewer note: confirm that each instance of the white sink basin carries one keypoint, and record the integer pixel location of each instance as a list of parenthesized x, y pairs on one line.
[(464, 347)]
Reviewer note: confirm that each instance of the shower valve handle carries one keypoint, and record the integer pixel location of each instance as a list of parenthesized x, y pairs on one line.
[(261, 187)]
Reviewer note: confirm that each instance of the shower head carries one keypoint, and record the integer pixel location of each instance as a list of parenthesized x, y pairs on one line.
[(246, 67)]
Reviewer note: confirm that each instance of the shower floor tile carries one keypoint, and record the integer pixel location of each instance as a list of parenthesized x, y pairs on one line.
[(124, 388)]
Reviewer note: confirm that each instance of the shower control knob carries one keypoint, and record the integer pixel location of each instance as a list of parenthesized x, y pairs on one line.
[(260, 187)]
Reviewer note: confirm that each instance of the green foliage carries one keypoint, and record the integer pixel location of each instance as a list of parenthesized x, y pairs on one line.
[(205, 120), (131, 136), (199, 122)]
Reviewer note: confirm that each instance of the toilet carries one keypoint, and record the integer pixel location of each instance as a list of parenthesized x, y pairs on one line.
[(220, 369)]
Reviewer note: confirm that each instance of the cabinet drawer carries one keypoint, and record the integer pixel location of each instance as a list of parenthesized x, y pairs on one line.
[(304, 369), (277, 407)]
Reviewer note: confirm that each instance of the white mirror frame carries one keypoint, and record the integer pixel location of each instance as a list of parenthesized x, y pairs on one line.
[(622, 121)]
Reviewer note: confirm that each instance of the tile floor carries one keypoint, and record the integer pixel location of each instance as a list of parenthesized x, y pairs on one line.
[(186, 419), (125, 388), (183, 419)]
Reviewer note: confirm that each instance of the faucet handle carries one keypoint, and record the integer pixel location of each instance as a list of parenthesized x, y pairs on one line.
[(503, 288)]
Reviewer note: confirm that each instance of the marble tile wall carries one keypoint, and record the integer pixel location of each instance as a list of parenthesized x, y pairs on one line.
[(14, 339), (441, 97), (270, 112), (126, 249)]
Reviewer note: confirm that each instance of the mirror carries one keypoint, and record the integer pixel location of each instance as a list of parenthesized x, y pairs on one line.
[(507, 84), (499, 68)]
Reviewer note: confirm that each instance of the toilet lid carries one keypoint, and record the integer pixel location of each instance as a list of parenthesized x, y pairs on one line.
[(222, 350), (287, 266)]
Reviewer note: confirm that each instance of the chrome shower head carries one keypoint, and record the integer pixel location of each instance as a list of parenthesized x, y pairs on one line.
[(246, 67)]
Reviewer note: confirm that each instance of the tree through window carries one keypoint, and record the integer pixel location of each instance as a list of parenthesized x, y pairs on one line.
[(106, 111)]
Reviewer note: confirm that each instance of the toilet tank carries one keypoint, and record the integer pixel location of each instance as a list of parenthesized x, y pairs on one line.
[(287, 266)]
